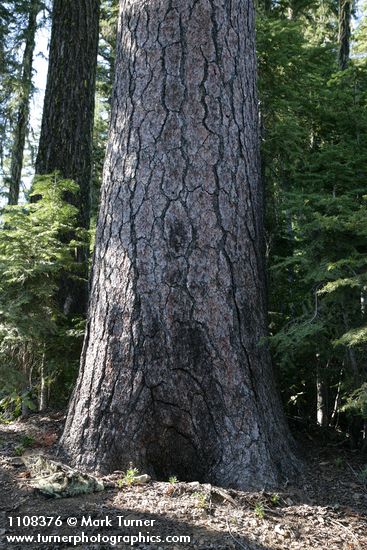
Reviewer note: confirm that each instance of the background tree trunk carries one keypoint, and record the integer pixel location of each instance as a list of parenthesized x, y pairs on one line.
[(21, 126), (172, 376), (67, 122), (344, 33), (322, 394)]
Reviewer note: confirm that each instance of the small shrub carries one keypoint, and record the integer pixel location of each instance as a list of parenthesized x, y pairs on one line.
[(363, 474), (128, 478), (339, 462), (259, 510), (27, 441), (19, 450), (201, 500)]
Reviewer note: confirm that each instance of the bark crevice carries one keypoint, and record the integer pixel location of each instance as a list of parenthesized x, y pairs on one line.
[(173, 379)]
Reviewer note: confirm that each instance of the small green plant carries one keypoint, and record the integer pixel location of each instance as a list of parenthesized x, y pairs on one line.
[(172, 480), (356, 402), (201, 500), (19, 450), (339, 462), (27, 441), (12, 401), (259, 510), (363, 474), (275, 499), (128, 478)]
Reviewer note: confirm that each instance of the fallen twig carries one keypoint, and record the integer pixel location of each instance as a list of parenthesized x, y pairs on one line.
[(336, 522), (233, 537)]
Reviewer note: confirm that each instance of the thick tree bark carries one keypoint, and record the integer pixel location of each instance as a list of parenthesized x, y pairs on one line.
[(172, 376), (344, 33), (67, 122), (21, 126)]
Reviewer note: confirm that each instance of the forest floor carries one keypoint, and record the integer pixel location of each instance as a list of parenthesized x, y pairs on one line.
[(328, 510)]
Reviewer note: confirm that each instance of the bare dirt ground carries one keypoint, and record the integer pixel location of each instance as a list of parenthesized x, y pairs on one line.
[(328, 510)]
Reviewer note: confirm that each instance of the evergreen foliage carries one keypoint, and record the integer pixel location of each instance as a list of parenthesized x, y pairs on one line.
[(35, 249), (315, 167)]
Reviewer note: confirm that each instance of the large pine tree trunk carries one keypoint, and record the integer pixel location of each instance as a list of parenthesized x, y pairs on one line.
[(172, 376), (21, 126), (67, 122)]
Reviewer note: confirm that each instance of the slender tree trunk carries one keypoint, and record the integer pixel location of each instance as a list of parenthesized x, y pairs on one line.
[(344, 33), (23, 109), (322, 390), (334, 415), (172, 377), (67, 122), (43, 393), (266, 5)]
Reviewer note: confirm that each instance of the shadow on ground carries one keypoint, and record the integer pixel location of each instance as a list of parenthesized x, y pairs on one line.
[(327, 511), (99, 525)]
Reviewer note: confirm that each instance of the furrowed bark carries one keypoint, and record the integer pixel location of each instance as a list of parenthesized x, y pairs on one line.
[(344, 33), (173, 377), (67, 123)]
